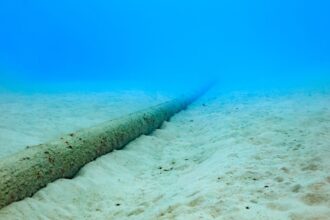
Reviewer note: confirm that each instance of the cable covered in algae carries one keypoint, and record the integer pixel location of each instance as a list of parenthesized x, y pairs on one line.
[(24, 173)]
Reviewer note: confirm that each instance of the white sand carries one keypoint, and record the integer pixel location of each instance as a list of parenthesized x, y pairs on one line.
[(239, 156)]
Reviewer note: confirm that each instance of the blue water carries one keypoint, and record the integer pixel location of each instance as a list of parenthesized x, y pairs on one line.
[(159, 44)]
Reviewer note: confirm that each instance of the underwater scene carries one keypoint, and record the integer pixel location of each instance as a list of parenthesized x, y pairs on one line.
[(165, 110)]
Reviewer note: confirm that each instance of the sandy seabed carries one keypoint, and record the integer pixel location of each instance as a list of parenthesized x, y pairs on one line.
[(228, 156)]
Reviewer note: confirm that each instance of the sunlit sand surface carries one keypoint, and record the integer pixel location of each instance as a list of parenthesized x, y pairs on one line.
[(228, 156)]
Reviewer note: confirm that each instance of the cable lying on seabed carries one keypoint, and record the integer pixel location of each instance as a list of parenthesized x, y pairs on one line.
[(24, 173)]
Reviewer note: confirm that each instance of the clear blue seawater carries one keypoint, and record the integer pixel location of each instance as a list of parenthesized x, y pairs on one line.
[(157, 45)]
